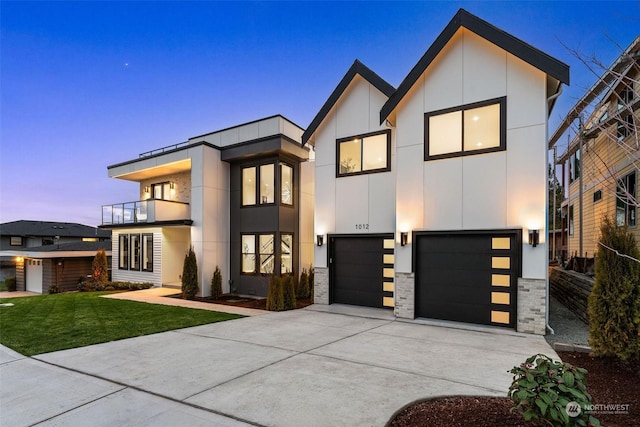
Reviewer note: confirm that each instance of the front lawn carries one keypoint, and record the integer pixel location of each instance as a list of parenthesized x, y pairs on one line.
[(45, 323)]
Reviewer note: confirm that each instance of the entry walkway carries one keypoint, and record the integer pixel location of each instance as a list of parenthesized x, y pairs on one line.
[(302, 367)]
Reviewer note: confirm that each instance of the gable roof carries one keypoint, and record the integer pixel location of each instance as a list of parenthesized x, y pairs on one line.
[(513, 45), (357, 68), (51, 229)]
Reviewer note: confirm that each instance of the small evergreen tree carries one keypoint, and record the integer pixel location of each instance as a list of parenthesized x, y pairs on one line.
[(99, 267), (275, 297), (311, 281), (302, 290), (216, 284), (614, 303), (289, 292), (190, 275)]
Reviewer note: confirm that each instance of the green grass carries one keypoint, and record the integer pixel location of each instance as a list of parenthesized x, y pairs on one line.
[(45, 323)]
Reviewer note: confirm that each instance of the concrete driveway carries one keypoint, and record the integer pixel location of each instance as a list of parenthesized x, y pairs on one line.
[(324, 365)]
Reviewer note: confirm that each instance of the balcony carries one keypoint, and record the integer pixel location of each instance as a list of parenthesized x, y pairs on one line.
[(145, 212)]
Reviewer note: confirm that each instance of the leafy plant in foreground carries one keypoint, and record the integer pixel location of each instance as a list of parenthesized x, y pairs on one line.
[(542, 388)]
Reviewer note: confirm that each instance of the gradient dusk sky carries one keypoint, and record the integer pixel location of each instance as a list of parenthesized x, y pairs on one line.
[(84, 85)]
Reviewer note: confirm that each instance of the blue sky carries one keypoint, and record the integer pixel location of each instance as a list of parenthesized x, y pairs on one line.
[(84, 85)]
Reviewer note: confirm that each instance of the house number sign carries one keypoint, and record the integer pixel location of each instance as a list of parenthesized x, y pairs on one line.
[(362, 226)]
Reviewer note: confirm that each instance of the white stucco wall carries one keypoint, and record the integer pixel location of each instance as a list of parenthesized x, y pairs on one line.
[(487, 191), (342, 203)]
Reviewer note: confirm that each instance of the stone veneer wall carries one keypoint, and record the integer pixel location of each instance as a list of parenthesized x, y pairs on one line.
[(405, 295), (532, 303), (321, 285)]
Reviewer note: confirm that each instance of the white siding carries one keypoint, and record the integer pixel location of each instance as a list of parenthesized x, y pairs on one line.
[(135, 276)]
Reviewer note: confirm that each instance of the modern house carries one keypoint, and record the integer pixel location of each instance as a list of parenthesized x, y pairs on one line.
[(600, 166), (431, 198), (42, 253), (242, 197)]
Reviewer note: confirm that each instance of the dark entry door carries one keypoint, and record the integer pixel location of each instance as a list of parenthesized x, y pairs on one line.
[(467, 277), (357, 270)]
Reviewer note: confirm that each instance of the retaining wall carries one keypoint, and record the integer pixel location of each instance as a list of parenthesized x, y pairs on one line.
[(572, 290)]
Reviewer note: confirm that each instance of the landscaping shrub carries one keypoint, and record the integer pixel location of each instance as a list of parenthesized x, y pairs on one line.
[(614, 303), (302, 290), (216, 284), (99, 267), (311, 281), (190, 275), (289, 292), (275, 296), (92, 285), (54, 289), (543, 389), (11, 284)]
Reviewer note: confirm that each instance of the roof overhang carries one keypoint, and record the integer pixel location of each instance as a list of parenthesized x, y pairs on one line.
[(51, 254)]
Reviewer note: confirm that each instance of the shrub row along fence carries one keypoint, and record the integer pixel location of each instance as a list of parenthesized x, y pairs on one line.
[(572, 290)]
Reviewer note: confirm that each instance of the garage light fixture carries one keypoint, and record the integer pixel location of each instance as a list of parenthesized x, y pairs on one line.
[(404, 238), (320, 239), (534, 237)]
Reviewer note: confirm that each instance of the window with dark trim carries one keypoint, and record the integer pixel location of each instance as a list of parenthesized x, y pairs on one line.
[(286, 253), (575, 166), (161, 191), (466, 130), (147, 252), (571, 220), (258, 185), (258, 253), (361, 154), (123, 252), (286, 184), (134, 251), (626, 199), (16, 241), (597, 196)]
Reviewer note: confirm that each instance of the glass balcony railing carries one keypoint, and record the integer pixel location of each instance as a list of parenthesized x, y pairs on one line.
[(144, 211)]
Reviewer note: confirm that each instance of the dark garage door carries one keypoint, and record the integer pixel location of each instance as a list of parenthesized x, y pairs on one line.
[(468, 277), (362, 270)]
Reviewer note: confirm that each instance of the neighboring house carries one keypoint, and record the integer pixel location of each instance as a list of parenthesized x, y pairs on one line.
[(600, 165), (42, 253), (426, 195), (242, 197)]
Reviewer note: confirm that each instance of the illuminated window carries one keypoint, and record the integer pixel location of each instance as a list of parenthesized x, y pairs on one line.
[(471, 129), (248, 186), (267, 189), (161, 191), (134, 241), (16, 241), (248, 253), (286, 250), (286, 184), (266, 253), (364, 154)]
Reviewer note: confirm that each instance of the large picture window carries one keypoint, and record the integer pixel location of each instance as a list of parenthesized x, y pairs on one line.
[(366, 153), (470, 129), (135, 252), (258, 253), (626, 199), (258, 185)]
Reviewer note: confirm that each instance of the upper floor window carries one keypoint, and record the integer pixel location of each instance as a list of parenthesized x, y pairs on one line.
[(366, 153), (575, 166), (625, 127), (258, 185), (571, 220), (286, 184), (161, 191), (469, 129), (16, 241), (626, 200), (625, 98)]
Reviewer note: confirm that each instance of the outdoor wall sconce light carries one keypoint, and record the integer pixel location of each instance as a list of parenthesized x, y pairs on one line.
[(147, 189), (534, 237), (404, 238), (319, 239), (172, 185)]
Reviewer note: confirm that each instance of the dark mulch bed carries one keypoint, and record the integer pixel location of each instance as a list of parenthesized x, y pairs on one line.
[(246, 302), (608, 382)]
